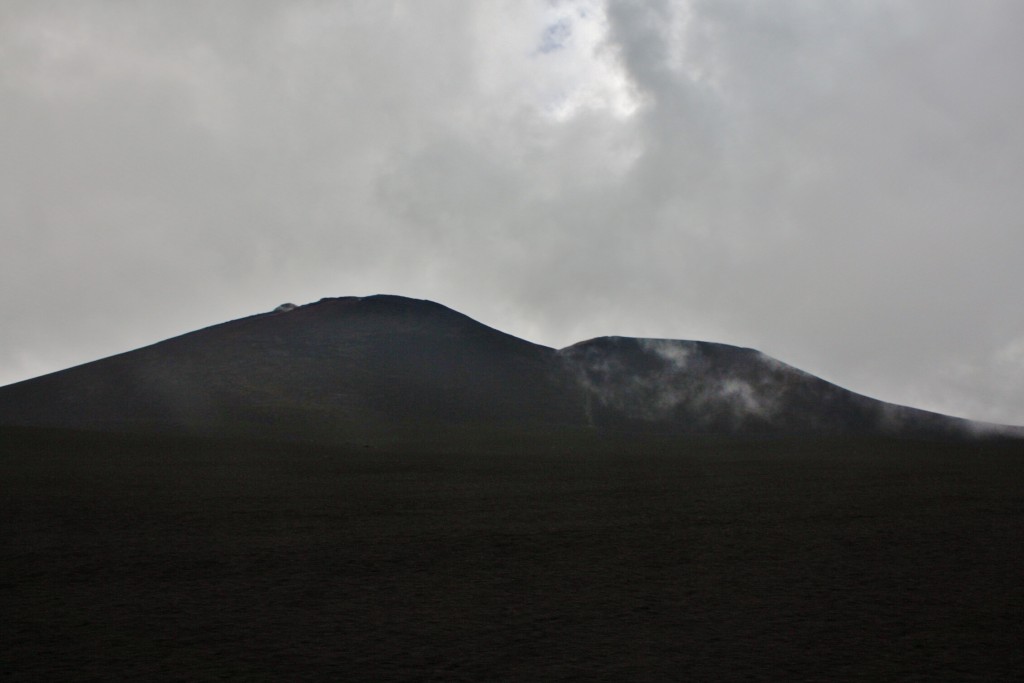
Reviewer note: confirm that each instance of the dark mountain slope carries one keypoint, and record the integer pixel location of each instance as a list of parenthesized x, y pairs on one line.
[(672, 386), (390, 368), (339, 369)]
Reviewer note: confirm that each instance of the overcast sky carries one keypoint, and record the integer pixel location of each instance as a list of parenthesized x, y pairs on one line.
[(838, 184)]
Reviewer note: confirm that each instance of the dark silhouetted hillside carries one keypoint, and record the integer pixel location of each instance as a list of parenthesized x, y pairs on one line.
[(671, 386), (385, 368)]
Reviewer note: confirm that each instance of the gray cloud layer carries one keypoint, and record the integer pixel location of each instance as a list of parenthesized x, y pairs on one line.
[(836, 184)]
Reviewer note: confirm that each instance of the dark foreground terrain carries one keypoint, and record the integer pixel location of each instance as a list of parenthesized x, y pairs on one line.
[(866, 559)]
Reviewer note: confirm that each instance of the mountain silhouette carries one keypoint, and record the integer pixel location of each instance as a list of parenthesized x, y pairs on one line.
[(384, 367)]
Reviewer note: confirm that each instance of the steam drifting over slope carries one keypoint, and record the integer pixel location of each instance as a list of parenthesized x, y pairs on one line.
[(388, 367)]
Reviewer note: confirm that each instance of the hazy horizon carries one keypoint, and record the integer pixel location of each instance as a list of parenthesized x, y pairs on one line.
[(833, 185)]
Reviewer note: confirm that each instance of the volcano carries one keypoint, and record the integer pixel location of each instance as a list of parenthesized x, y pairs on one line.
[(392, 369), (383, 489)]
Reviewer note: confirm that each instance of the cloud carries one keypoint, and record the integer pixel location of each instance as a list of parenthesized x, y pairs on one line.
[(835, 184), (659, 379), (555, 36)]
